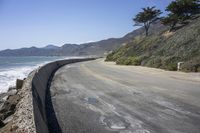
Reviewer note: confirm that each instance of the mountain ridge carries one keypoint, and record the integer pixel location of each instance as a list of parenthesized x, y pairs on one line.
[(98, 48)]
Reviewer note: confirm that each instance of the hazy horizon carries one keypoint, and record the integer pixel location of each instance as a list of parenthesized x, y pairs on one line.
[(40, 23)]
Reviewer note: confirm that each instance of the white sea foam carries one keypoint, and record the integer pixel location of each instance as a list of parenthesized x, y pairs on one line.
[(12, 68), (8, 76)]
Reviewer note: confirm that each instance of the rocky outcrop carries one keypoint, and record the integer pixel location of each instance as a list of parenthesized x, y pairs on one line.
[(16, 112), (9, 106)]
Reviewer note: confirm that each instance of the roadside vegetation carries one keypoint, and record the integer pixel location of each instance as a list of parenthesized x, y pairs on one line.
[(178, 42)]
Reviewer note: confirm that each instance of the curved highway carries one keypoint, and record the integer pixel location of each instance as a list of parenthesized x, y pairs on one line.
[(99, 97)]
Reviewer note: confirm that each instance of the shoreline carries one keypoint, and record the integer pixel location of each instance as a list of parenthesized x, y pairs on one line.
[(16, 109), (15, 69), (19, 105)]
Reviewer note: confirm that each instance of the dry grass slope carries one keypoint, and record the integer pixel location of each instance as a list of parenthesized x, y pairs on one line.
[(163, 50)]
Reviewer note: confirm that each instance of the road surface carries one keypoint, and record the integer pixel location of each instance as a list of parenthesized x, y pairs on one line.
[(100, 97)]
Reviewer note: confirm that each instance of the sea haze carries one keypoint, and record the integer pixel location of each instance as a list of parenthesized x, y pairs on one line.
[(12, 68)]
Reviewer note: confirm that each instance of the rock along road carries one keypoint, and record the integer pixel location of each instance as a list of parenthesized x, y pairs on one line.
[(100, 97)]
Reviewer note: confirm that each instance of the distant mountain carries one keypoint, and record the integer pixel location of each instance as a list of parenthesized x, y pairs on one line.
[(98, 48), (51, 47)]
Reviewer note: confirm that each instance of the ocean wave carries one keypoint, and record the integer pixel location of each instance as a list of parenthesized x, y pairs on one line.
[(8, 76), (19, 68)]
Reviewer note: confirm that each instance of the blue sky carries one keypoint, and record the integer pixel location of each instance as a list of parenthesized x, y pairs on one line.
[(26, 23)]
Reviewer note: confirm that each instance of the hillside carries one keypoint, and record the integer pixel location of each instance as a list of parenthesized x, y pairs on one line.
[(163, 50), (98, 48)]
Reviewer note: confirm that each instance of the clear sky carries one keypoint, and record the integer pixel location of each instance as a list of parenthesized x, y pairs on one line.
[(26, 23)]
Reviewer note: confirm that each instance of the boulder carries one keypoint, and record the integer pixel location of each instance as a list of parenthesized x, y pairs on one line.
[(19, 84), (8, 119), (1, 124), (8, 107), (4, 98), (12, 92), (11, 88)]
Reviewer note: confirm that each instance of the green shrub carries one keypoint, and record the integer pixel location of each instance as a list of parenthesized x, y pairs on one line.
[(192, 65), (116, 54), (172, 67), (109, 57), (129, 61)]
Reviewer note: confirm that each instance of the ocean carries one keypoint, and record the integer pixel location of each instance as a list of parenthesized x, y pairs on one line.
[(12, 68)]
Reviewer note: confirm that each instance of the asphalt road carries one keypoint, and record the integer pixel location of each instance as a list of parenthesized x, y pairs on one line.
[(99, 97)]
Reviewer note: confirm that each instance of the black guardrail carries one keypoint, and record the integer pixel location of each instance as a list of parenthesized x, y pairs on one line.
[(44, 115)]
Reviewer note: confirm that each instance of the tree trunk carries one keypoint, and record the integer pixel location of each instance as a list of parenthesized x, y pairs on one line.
[(147, 33), (146, 26), (172, 27)]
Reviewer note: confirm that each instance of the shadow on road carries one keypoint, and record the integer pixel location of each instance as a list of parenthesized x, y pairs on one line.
[(53, 125)]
